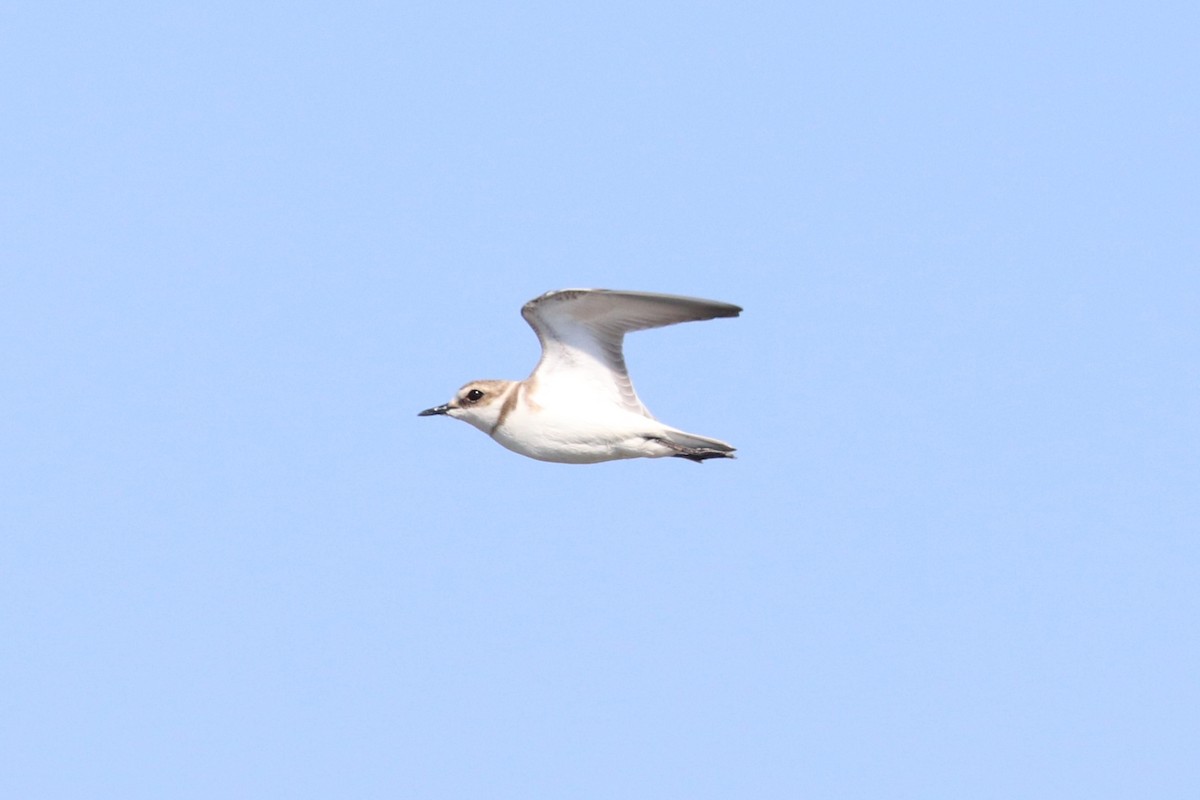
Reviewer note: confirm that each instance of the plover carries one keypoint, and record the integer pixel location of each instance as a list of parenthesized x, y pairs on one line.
[(579, 406)]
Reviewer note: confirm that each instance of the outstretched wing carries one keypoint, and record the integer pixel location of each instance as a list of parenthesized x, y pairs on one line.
[(582, 330)]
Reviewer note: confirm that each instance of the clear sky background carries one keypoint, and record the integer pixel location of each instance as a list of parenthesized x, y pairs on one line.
[(957, 557)]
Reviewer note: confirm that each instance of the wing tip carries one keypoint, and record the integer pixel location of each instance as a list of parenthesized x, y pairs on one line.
[(718, 308)]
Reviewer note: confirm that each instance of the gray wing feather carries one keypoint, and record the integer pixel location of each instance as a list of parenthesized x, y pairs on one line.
[(582, 332)]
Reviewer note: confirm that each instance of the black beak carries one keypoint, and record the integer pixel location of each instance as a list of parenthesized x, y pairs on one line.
[(429, 412)]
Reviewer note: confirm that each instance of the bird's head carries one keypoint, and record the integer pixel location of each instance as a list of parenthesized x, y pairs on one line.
[(478, 402)]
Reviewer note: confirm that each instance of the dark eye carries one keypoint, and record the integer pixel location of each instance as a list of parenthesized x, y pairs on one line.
[(474, 396)]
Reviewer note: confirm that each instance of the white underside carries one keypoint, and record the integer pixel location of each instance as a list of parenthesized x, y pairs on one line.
[(608, 436)]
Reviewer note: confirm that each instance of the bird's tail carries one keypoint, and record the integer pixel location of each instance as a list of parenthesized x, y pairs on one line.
[(695, 448)]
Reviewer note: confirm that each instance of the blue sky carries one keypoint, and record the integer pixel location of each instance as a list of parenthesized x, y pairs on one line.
[(956, 557)]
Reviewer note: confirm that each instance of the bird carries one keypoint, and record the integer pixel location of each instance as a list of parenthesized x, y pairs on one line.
[(578, 406)]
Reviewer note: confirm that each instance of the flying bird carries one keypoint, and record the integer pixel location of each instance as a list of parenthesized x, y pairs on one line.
[(579, 406)]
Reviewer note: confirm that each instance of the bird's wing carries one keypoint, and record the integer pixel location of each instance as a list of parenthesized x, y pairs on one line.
[(581, 331)]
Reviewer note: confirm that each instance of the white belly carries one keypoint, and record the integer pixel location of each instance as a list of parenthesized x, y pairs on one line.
[(580, 439)]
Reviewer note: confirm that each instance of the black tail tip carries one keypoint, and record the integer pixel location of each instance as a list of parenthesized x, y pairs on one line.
[(702, 456)]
